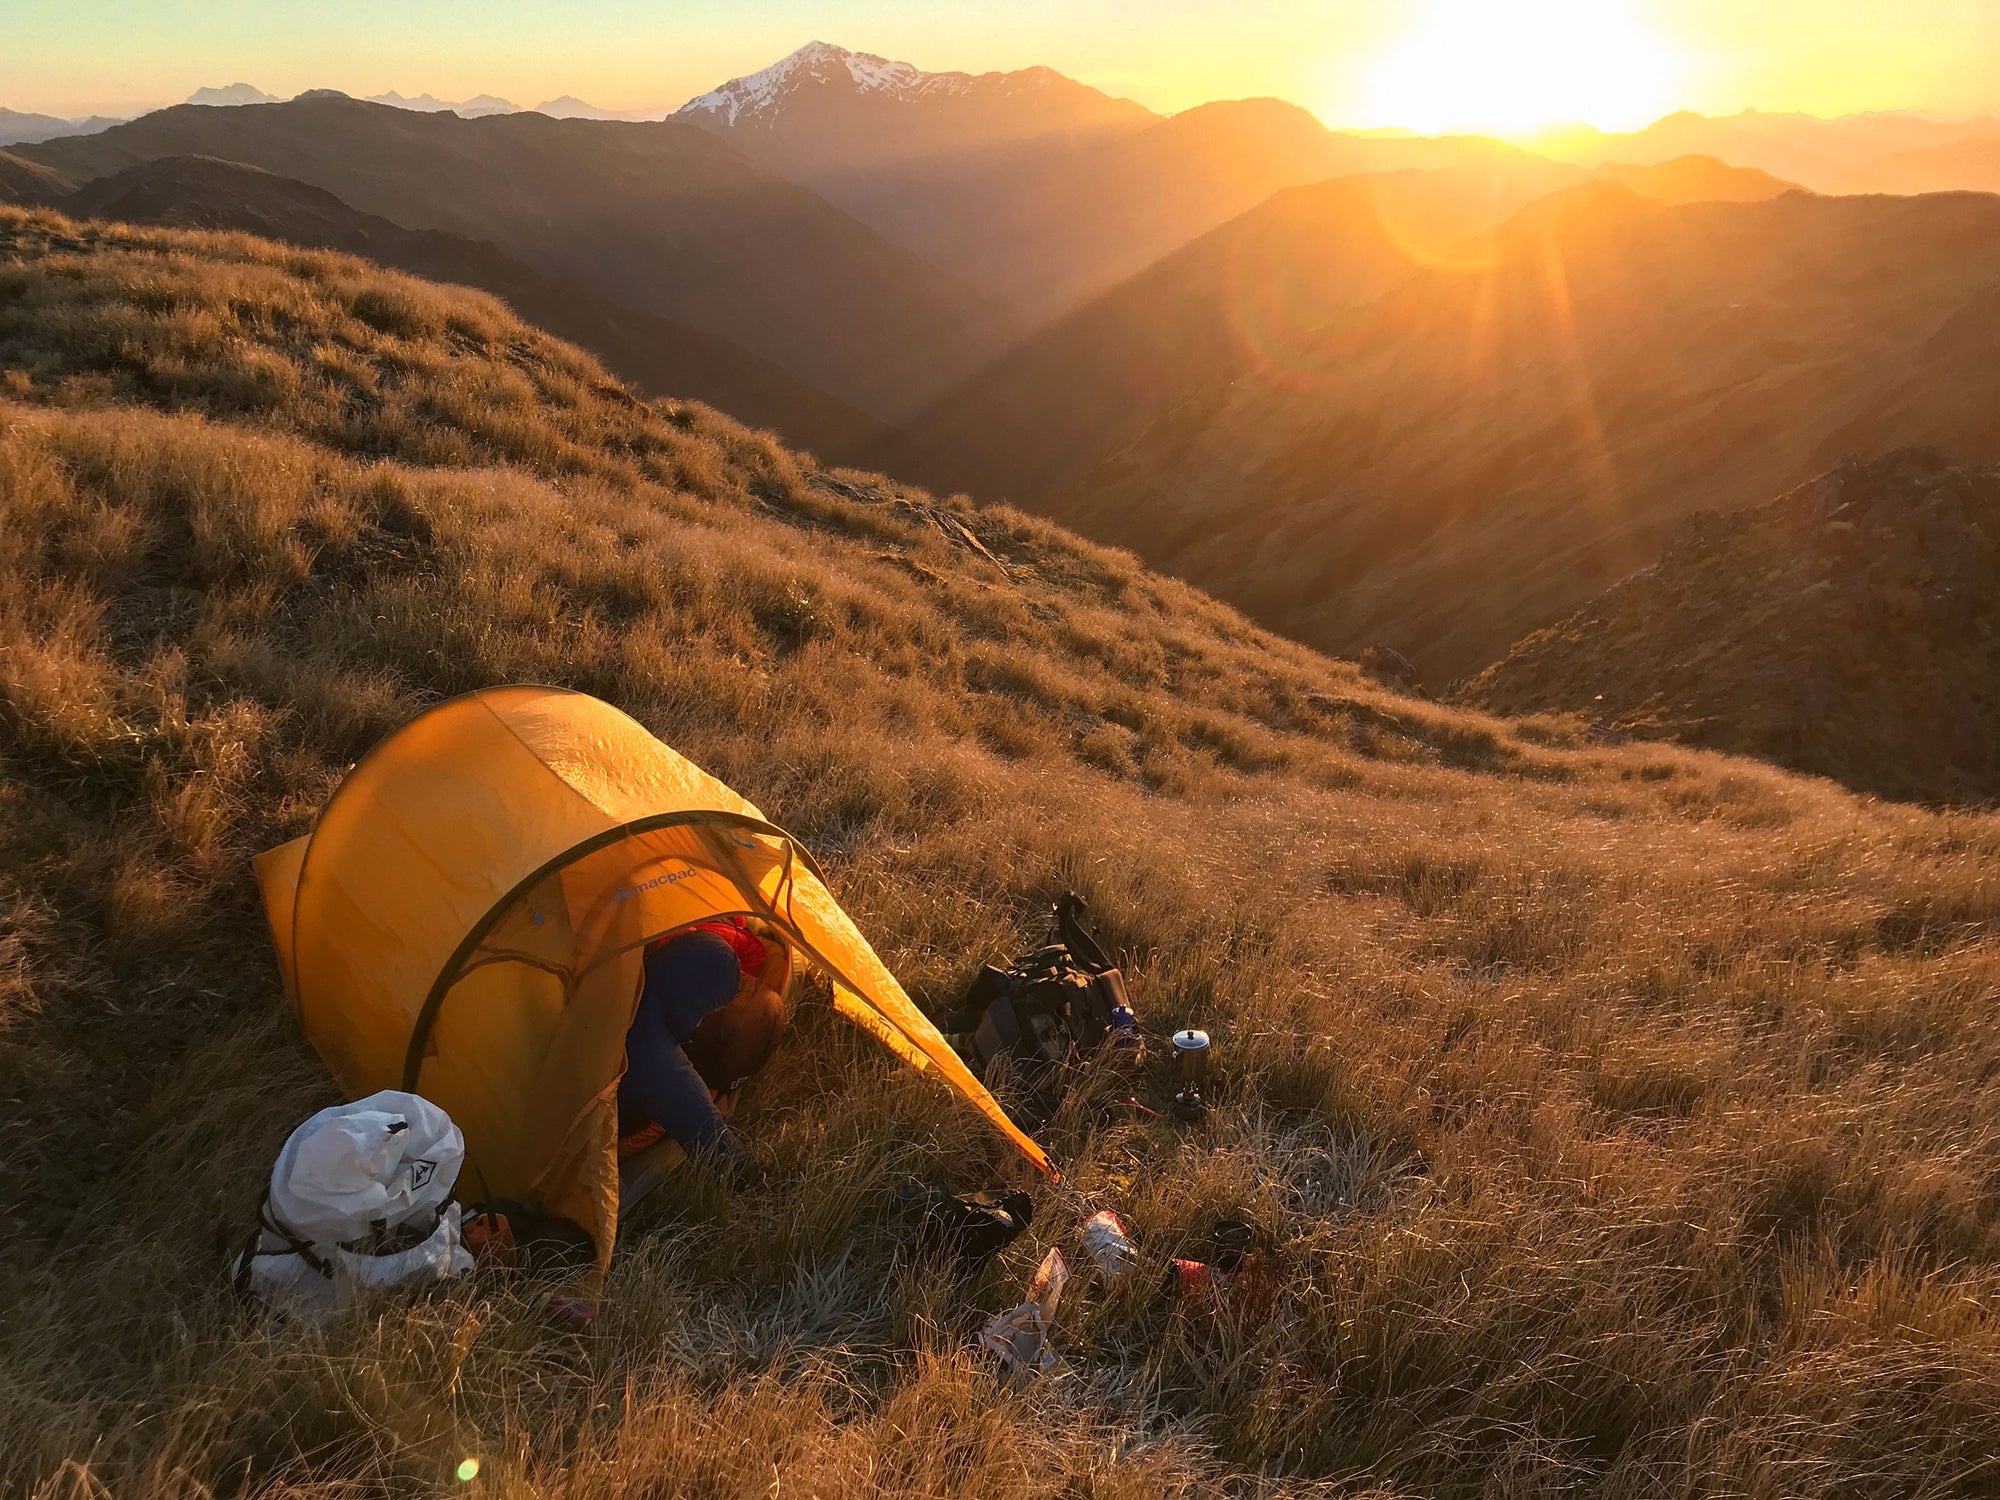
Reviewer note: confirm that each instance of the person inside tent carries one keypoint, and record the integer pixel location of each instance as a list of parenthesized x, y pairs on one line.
[(710, 1015)]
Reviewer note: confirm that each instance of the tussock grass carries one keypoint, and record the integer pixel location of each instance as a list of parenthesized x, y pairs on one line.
[(1623, 1118)]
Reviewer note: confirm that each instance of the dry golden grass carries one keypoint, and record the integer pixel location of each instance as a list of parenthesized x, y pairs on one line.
[(1625, 1118)]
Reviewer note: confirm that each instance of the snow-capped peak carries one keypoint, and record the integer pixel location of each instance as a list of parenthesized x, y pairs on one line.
[(756, 93)]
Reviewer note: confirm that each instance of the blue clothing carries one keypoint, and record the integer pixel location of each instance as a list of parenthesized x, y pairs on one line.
[(686, 980)]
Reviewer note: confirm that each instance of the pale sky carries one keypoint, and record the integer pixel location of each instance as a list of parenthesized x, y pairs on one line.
[(1424, 63)]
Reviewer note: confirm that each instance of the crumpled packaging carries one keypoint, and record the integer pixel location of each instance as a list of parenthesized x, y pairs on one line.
[(1019, 1337)]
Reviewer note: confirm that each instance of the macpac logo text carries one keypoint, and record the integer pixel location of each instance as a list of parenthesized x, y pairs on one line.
[(672, 877)]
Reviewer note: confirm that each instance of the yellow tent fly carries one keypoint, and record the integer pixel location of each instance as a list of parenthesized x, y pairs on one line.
[(468, 919)]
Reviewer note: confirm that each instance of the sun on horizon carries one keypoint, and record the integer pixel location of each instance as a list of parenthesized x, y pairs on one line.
[(1517, 67)]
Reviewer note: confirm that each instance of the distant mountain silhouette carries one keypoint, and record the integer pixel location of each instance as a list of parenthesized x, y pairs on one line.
[(1482, 449), (1818, 153), (661, 358), (1698, 179), (1962, 166), (569, 107), (1030, 184), (469, 109), (663, 217), (1851, 629), (1241, 298), (20, 128), (232, 94)]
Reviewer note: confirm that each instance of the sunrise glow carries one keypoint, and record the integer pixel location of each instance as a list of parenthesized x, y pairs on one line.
[(1511, 67)]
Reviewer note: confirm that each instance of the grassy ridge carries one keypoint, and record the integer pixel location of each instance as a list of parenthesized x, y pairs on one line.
[(649, 353), (1624, 1116)]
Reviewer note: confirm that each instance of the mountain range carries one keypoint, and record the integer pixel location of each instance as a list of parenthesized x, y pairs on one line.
[(1239, 300), (1835, 156), (244, 93), (1196, 320), (568, 107), (851, 124), (1029, 185), (1483, 447), (663, 218), (1033, 191), (1379, 391), (19, 127)]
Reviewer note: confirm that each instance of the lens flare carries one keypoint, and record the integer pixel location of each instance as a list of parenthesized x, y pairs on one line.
[(1283, 318), (468, 1470)]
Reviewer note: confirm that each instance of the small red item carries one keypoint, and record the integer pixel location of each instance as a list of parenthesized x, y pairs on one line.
[(746, 945), (633, 1142), (1189, 1281)]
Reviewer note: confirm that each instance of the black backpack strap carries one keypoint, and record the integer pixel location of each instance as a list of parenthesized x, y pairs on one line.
[(253, 1248), (241, 1281), (1076, 937), (305, 1252)]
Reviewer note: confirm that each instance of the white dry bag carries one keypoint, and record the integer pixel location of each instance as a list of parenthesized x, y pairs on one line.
[(360, 1197)]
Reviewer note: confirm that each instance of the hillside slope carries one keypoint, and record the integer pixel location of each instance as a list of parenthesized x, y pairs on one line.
[(1249, 298), (30, 183), (1059, 233), (661, 217), (1243, 298), (1483, 449), (1621, 1119), (1850, 629), (1698, 179), (659, 357)]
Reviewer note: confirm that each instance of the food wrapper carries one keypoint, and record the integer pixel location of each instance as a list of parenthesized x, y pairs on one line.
[(1019, 1337)]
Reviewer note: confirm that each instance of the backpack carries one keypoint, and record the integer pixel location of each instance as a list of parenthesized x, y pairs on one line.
[(359, 1197), (1062, 999)]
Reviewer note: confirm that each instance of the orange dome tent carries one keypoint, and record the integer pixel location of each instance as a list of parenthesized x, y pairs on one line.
[(468, 918)]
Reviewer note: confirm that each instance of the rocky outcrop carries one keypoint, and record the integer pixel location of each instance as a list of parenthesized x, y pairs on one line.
[(1850, 628)]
